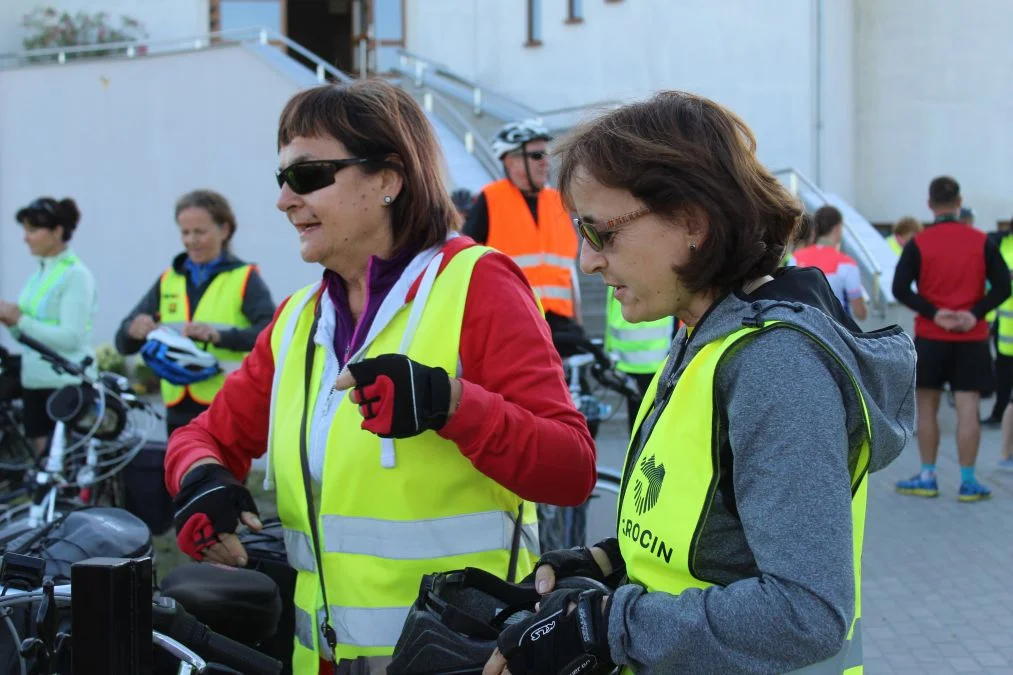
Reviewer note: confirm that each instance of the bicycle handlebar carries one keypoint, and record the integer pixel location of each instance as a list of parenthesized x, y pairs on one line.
[(172, 621), (58, 363), (170, 618), (61, 364)]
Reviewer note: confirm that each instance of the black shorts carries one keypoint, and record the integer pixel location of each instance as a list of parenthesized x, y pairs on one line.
[(965, 366), (36, 419)]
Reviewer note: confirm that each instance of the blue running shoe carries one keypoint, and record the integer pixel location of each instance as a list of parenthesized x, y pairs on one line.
[(973, 491), (919, 487)]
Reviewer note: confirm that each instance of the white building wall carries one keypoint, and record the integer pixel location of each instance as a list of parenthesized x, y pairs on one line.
[(163, 19), (755, 56), (125, 138), (934, 97), (833, 67)]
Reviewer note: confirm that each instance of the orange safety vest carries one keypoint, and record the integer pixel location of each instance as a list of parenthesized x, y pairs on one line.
[(546, 251)]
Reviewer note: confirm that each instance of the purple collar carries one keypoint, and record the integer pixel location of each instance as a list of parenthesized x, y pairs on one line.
[(381, 275)]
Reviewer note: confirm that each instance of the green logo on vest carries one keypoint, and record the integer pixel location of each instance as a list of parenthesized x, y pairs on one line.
[(645, 496)]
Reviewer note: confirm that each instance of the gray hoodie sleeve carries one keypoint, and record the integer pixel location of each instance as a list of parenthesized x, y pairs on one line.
[(125, 344), (789, 420)]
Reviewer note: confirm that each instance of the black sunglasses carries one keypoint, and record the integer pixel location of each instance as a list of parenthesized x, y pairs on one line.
[(597, 239), (312, 175), (537, 155)]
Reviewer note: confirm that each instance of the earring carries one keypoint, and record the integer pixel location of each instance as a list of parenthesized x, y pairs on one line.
[(387, 200), (692, 247)]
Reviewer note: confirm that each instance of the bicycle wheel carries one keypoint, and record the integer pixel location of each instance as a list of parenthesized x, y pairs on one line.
[(601, 510)]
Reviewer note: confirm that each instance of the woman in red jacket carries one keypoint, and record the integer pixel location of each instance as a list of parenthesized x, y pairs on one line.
[(415, 386)]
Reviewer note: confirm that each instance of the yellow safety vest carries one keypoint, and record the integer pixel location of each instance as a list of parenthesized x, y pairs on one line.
[(640, 347), (381, 529), (546, 250), (894, 244), (221, 306), (40, 286), (1005, 310), (667, 492)]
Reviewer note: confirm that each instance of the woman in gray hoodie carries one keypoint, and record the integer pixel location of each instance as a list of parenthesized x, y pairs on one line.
[(742, 506)]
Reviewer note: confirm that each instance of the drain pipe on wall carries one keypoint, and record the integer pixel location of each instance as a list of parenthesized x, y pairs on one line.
[(816, 140)]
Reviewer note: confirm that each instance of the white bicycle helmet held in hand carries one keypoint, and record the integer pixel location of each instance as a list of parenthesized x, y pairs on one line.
[(176, 358)]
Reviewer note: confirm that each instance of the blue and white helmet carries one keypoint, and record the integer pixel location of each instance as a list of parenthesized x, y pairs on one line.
[(177, 359), (514, 135)]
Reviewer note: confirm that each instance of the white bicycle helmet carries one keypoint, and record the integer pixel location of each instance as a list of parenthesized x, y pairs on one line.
[(176, 358), (514, 135)]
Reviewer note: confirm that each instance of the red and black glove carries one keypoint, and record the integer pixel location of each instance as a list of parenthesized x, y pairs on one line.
[(209, 502), (557, 640), (398, 397)]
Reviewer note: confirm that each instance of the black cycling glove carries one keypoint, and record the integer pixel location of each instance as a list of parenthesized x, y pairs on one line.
[(209, 502), (399, 397), (579, 562), (559, 641)]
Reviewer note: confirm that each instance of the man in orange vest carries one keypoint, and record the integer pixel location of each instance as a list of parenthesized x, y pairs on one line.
[(524, 218)]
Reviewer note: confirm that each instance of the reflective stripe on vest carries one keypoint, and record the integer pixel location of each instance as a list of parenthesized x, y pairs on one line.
[(381, 529), (220, 306), (545, 251), (1005, 310), (639, 347), (672, 480), (39, 289)]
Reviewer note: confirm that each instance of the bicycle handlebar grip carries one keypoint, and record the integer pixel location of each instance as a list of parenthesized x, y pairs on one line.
[(172, 619), (49, 355), (240, 657)]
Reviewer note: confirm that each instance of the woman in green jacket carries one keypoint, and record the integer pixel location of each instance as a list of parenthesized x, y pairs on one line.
[(56, 307)]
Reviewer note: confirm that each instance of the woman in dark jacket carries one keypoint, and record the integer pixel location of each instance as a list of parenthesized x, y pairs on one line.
[(208, 295)]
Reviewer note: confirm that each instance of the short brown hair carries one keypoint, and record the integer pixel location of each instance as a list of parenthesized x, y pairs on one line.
[(373, 118), (217, 207), (907, 226), (678, 150), (826, 219)]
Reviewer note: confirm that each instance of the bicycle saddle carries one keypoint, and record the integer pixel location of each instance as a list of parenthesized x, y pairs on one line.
[(238, 603)]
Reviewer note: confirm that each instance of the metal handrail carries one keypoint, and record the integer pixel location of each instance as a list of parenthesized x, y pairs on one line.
[(474, 144), (135, 48), (875, 271), (473, 141), (813, 187), (418, 67)]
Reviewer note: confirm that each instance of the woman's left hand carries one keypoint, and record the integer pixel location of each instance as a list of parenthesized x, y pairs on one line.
[(399, 397), (546, 641), (202, 332), (10, 313)]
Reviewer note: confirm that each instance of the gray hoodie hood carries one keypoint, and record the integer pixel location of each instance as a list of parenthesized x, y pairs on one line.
[(882, 361)]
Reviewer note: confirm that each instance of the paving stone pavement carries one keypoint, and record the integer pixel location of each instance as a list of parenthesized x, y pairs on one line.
[(937, 588)]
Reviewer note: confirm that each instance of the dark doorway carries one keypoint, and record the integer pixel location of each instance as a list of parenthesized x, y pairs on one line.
[(324, 27)]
